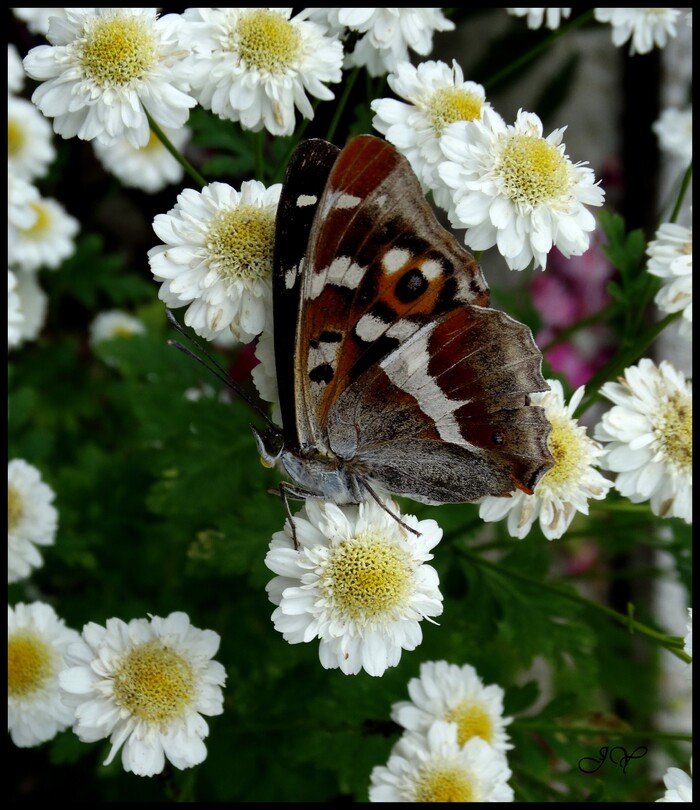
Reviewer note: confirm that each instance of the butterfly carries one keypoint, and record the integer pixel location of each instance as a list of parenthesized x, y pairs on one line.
[(394, 374)]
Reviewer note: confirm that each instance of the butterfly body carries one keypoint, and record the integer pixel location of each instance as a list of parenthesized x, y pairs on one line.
[(393, 371), (315, 474)]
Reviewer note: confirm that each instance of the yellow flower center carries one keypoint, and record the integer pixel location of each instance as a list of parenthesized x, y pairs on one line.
[(450, 104), (15, 137), (568, 445), (15, 508), (154, 683), (41, 224), (153, 144), (116, 51), (240, 243), (673, 429), (368, 578), (122, 331), (29, 664), (533, 171), (266, 41), (447, 784), (472, 721)]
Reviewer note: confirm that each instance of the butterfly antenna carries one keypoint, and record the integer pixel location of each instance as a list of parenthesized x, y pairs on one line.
[(211, 365)]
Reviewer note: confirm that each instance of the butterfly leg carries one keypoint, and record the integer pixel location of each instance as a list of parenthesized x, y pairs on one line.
[(381, 503), (287, 492)]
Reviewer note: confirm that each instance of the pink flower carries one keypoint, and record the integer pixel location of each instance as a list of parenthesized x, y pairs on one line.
[(572, 289)]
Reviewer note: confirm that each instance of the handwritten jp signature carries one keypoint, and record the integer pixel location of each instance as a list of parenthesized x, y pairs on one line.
[(617, 756)]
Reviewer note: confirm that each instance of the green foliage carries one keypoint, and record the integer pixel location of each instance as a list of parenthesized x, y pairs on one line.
[(233, 155), (625, 250), (92, 277)]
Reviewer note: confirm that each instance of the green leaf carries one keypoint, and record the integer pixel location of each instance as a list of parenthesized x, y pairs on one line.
[(97, 278), (625, 250)]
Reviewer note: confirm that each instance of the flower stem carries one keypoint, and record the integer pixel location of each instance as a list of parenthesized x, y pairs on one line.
[(181, 159), (597, 731), (621, 361), (538, 49), (340, 106), (687, 177), (258, 147), (601, 316), (294, 142)]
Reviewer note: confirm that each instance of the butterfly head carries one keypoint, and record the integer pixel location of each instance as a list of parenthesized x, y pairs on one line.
[(270, 444)]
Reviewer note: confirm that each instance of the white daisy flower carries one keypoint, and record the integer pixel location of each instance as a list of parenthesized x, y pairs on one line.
[(150, 168), (457, 695), (255, 65), (679, 786), (217, 257), (104, 66), (114, 324), (437, 95), (146, 685), (434, 767), (565, 488), (14, 312), (32, 519), (265, 374), (386, 34), (37, 19), (515, 189), (48, 241), (33, 304), (30, 147), (358, 582), (37, 644), (649, 434), (646, 27), (15, 70), (21, 214), (674, 129), (536, 16), (671, 258)]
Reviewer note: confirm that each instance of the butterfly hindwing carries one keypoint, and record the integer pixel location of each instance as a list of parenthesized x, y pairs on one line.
[(446, 416)]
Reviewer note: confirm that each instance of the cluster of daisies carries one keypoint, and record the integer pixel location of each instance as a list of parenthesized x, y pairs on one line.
[(354, 579), (453, 744), (144, 685), (41, 233)]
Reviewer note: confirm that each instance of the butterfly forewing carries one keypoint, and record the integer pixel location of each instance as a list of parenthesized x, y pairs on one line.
[(304, 182), (383, 264)]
